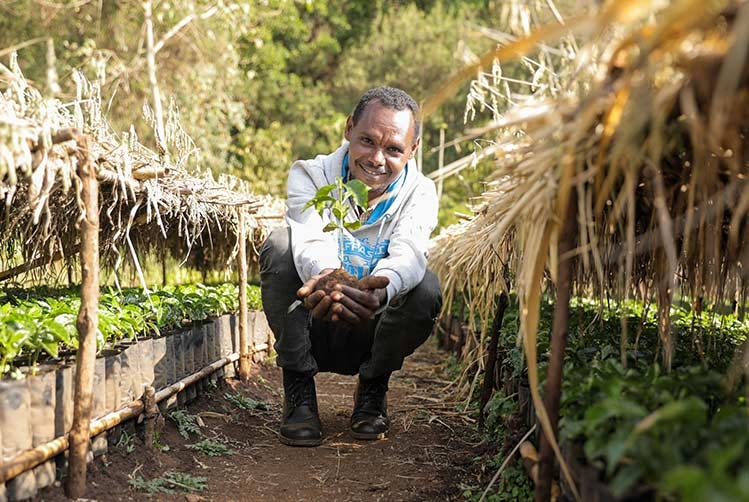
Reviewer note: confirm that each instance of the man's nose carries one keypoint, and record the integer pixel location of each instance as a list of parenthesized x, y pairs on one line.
[(378, 157)]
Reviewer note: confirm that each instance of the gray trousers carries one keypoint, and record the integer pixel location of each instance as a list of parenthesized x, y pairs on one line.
[(371, 349)]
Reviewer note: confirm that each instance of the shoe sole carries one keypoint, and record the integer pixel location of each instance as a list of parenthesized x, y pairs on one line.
[(362, 435), (299, 442)]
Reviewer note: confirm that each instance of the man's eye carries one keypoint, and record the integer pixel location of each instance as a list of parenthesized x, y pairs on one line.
[(367, 141), (395, 151)]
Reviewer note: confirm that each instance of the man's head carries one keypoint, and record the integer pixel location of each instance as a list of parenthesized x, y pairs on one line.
[(383, 133)]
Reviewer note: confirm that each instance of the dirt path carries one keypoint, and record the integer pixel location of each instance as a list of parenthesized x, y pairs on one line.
[(426, 457)]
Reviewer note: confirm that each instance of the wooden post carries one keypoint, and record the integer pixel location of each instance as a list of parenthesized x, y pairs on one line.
[(86, 323), (491, 359), (151, 411), (559, 331), (245, 354)]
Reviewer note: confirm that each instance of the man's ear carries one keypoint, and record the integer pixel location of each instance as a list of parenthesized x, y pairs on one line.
[(415, 147), (349, 127)]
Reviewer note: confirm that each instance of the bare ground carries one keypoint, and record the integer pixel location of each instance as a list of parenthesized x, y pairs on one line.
[(427, 456)]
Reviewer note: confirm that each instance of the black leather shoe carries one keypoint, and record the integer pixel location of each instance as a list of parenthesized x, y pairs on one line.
[(369, 419), (300, 425)]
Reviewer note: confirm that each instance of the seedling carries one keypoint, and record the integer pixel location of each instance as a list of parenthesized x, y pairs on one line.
[(339, 208), (246, 403), (353, 189), (126, 442), (212, 448), (169, 482), (185, 422)]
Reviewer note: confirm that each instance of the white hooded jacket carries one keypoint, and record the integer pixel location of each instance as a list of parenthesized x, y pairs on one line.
[(401, 234)]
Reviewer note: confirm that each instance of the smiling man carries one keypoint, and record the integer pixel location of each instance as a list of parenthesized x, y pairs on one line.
[(368, 330)]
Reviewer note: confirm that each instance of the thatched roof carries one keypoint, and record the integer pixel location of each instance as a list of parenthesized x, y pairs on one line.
[(654, 155), (149, 202)]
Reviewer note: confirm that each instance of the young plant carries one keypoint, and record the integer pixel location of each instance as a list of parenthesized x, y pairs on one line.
[(169, 482), (339, 209), (212, 448), (354, 191), (246, 403), (185, 422)]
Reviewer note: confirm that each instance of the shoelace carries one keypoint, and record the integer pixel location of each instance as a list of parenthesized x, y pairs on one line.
[(302, 391), (372, 393)]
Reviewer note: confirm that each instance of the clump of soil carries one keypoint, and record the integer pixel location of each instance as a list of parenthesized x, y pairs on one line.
[(338, 276)]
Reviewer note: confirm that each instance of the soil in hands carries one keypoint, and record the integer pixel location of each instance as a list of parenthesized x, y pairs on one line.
[(339, 276), (430, 453)]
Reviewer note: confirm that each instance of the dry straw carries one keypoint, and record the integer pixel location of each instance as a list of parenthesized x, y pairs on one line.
[(150, 203)]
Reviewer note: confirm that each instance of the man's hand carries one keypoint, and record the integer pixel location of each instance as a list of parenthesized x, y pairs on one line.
[(316, 301), (352, 305)]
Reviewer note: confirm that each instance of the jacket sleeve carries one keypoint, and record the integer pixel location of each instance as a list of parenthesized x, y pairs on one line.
[(406, 262), (313, 250)]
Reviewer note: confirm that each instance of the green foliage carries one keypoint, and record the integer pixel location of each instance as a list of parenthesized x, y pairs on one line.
[(681, 433), (41, 321), (246, 403), (212, 448), (512, 485), (185, 422), (169, 483)]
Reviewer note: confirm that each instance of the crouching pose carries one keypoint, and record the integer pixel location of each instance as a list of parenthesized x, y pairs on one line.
[(366, 330)]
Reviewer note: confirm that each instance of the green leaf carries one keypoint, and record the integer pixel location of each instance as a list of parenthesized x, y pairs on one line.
[(352, 225), (329, 227), (359, 191)]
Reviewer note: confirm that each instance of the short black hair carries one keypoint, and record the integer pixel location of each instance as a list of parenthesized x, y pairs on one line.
[(390, 97)]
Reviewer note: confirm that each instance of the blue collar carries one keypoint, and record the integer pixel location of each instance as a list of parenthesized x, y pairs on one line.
[(392, 189)]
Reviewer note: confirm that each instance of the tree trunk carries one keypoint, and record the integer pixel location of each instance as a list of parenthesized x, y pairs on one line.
[(153, 82), (491, 360), (86, 323), (558, 344)]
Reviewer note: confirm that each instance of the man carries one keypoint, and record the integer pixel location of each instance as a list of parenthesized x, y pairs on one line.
[(367, 330)]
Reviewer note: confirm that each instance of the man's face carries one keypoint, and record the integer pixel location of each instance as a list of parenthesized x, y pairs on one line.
[(380, 145)]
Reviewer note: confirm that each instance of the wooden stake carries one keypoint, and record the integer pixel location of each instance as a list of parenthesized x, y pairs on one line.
[(151, 411), (245, 354), (491, 359), (86, 323), (559, 331)]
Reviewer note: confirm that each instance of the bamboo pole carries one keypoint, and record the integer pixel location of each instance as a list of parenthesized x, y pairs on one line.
[(491, 360), (559, 332), (86, 323), (244, 354), (29, 459)]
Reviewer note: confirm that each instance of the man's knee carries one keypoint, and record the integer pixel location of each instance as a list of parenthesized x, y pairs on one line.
[(275, 252), (426, 297)]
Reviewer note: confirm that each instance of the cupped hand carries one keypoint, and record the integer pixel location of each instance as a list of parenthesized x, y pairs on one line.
[(353, 306), (316, 302)]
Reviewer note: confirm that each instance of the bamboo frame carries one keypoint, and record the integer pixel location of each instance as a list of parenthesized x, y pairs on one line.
[(87, 323), (29, 459)]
